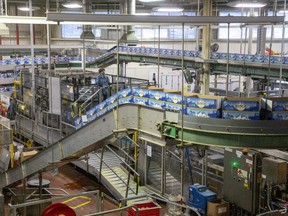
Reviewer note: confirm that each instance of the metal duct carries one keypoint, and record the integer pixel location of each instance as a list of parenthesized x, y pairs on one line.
[(129, 37), (4, 30), (87, 29)]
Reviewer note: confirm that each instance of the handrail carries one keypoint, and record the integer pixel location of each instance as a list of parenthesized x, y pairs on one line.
[(116, 174), (133, 141), (134, 171), (160, 199), (172, 153), (83, 94), (130, 169), (117, 210), (131, 158), (14, 207), (88, 99)]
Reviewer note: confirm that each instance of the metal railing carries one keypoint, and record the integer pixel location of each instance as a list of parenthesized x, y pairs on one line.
[(159, 198), (85, 104), (127, 184), (14, 208), (127, 153), (118, 210)]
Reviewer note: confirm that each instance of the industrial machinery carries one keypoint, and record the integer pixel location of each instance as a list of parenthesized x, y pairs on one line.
[(242, 176), (199, 195)]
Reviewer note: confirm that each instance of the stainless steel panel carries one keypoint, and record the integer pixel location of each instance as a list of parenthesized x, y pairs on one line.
[(149, 119), (128, 116), (77, 144)]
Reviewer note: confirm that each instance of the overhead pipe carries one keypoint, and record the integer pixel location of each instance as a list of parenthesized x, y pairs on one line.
[(17, 28)]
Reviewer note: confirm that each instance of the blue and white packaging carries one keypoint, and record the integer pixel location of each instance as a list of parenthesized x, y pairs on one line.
[(203, 113), (141, 101), (125, 93), (280, 106), (259, 59), (111, 106), (203, 103), (174, 98), (92, 111), (279, 115), (156, 104), (91, 118), (241, 115), (126, 100), (173, 106), (141, 92), (275, 104), (157, 95), (102, 105), (238, 104), (249, 58), (112, 99), (77, 121), (101, 112)]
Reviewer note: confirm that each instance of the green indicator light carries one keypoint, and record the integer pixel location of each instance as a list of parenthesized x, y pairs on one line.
[(235, 164)]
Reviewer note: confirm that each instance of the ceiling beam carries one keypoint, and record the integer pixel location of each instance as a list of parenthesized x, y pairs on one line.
[(157, 20)]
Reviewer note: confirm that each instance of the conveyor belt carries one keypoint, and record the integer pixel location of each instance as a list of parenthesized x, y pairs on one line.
[(84, 140), (152, 124), (254, 65)]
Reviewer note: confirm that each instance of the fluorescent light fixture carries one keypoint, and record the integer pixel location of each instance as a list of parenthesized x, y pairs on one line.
[(246, 4), (25, 20), (72, 5), (26, 8), (150, 0), (142, 14), (169, 9)]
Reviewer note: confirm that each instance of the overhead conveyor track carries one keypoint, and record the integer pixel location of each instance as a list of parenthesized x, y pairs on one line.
[(239, 64)]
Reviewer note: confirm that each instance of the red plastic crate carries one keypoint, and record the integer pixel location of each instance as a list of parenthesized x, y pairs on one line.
[(145, 209)]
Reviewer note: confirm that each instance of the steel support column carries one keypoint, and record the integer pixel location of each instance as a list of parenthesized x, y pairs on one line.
[(206, 41)]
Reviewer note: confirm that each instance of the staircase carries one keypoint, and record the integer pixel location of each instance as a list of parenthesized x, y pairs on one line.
[(114, 177)]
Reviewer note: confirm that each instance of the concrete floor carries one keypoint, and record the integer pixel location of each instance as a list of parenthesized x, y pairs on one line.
[(73, 181)]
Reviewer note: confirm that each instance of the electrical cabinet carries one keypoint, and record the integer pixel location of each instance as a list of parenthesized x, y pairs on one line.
[(274, 170), (241, 178)]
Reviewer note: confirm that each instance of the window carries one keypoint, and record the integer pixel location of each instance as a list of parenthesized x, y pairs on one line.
[(235, 29), (71, 30), (167, 32), (277, 32), (150, 33), (176, 32)]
